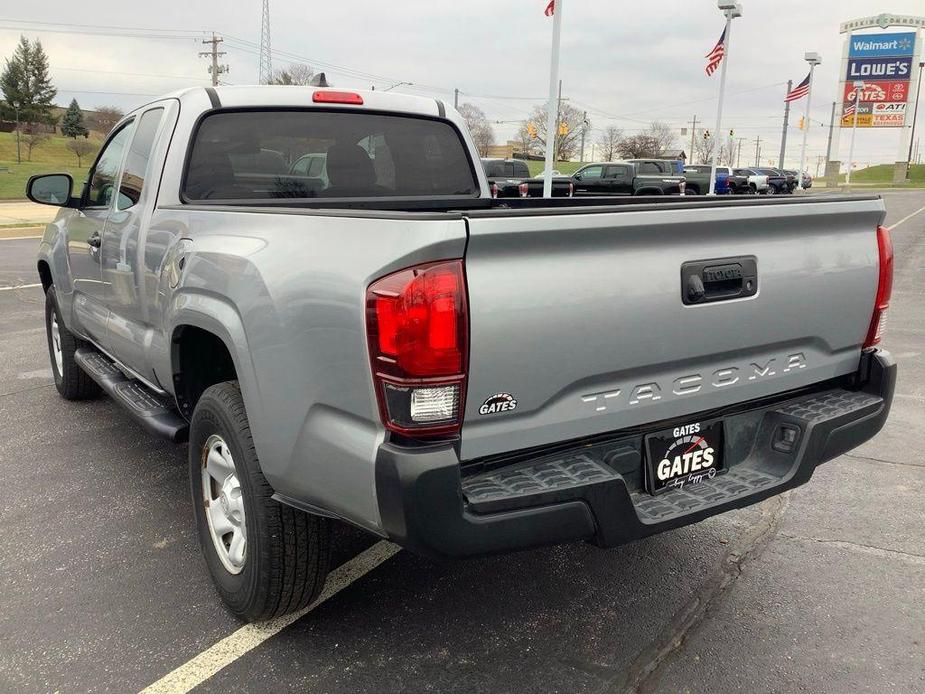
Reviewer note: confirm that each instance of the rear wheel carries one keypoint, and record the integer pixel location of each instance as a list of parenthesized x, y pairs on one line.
[(70, 380), (265, 558), (771, 191)]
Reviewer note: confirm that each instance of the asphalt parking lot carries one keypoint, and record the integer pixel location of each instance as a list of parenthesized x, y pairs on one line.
[(103, 587)]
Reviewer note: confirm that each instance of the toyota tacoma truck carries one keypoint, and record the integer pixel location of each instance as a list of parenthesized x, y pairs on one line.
[(510, 178), (624, 178), (392, 347)]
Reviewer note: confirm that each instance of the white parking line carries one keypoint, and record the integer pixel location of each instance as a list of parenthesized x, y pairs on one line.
[(905, 219), (221, 654), (21, 286), (19, 238)]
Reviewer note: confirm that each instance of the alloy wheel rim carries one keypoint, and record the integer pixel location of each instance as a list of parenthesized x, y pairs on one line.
[(56, 344), (223, 499)]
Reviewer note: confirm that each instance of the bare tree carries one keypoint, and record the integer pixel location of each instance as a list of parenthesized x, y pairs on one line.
[(703, 147), (105, 118), (637, 146), (80, 148), (567, 139), (526, 141), (662, 136), (296, 73), (609, 141), (482, 133), (33, 136)]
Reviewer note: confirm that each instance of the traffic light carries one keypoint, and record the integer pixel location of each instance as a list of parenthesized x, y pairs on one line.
[(706, 134), (563, 128), (732, 132), (531, 130), (802, 121)]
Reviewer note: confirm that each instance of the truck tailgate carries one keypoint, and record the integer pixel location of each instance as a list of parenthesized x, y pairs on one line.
[(579, 318)]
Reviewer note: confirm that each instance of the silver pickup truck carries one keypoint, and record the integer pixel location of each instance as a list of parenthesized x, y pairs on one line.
[(390, 346)]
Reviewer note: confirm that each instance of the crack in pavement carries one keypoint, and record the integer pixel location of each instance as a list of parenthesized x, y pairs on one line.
[(861, 548), (868, 459), (642, 673), (26, 390)]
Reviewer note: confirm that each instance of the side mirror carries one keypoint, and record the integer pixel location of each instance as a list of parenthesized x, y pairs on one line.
[(50, 189)]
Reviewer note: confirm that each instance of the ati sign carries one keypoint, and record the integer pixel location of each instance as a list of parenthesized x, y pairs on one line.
[(880, 45), (889, 108), (879, 69), (879, 91)]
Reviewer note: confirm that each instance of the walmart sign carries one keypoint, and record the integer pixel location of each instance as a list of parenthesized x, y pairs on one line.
[(881, 45)]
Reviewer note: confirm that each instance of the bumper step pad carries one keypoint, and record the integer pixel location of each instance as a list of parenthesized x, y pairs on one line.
[(155, 412), (756, 469)]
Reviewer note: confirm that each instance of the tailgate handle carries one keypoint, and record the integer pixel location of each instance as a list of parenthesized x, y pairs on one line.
[(720, 279)]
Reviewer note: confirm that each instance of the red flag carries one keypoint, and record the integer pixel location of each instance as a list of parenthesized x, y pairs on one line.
[(550, 8)]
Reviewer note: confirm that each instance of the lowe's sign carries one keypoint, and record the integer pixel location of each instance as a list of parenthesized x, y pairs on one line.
[(879, 69), (881, 45)]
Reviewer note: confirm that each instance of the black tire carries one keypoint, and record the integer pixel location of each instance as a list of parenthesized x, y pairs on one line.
[(691, 190), (771, 190), (70, 380), (752, 189), (287, 551)]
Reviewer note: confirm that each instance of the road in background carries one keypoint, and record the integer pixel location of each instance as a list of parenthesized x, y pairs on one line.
[(104, 588)]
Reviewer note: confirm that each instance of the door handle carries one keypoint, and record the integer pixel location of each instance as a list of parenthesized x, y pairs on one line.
[(95, 240), (704, 281)]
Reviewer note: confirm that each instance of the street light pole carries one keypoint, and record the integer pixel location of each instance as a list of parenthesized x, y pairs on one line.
[(915, 114), (813, 59), (858, 86), (551, 106), (731, 10)]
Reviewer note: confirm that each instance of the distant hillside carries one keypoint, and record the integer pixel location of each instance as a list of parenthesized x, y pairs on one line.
[(883, 173)]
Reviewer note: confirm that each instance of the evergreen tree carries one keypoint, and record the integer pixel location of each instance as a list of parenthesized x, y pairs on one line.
[(72, 125), (25, 83)]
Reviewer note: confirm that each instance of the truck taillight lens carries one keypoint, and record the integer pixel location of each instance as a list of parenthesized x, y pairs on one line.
[(417, 327), (884, 288), (524, 190)]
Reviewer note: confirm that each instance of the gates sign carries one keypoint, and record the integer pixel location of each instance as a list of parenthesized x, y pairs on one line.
[(881, 45), (878, 91), (879, 69)]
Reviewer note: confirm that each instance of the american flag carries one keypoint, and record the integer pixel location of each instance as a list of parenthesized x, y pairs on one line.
[(850, 109), (799, 91), (550, 8), (715, 57)]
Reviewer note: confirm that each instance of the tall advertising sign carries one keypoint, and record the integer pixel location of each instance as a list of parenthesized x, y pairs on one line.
[(883, 53), (883, 62)]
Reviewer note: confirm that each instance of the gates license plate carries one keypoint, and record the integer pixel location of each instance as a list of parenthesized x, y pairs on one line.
[(683, 456)]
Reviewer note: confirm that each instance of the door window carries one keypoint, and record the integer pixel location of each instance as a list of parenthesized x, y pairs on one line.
[(649, 167), (618, 172), (136, 161), (591, 173), (106, 171)]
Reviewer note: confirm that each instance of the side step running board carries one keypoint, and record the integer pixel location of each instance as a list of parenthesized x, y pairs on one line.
[(154, 412)]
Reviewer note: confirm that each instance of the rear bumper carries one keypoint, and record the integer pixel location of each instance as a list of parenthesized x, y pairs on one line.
[(592, 490)]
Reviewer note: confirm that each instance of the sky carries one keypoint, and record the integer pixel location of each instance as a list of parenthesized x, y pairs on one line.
[(626, 63)]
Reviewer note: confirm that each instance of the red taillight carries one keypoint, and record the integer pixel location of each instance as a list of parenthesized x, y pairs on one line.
[(417, 326), (524, 189), (884, 288), (337, 98), (494, 190)]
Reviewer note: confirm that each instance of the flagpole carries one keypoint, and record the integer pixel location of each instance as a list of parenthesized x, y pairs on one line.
[(813, 60), (552, 128), (858, 86), (730, 9)]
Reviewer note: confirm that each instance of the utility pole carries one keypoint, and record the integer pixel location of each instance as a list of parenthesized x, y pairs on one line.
[(584, 123), (783, 137), (265, 69), (918, 93), (215, 69), (693, 133), (739, 151), (758, 151), (551, 125), (828, 146), (456, 99)]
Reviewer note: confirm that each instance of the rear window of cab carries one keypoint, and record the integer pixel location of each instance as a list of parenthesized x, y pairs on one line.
[(313, 153)]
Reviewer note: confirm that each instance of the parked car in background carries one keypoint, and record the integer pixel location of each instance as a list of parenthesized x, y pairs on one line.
[(777, 181), (694, 184), (624, 178), (313, 165), (807, 179), (757, 182), (510, 178)]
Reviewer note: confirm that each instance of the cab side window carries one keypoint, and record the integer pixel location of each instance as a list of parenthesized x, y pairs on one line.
[(136, 161), (591, 173), (102, 186)]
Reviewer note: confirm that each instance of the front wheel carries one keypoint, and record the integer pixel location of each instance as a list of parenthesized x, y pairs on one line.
[(771, 190), (265, 558), (70, 380)]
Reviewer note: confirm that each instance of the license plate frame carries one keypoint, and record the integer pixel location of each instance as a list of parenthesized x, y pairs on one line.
[(701, 441)]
